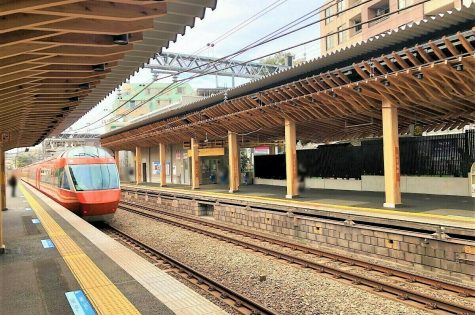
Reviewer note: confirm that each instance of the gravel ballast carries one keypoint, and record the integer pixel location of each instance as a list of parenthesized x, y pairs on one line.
[(285, 288)]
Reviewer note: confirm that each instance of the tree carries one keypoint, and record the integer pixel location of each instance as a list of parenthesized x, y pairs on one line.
[(277, 59), (23, 159), (245, 161)]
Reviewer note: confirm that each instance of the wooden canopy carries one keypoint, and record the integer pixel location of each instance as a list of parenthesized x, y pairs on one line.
[(54, 54), (432, 83)]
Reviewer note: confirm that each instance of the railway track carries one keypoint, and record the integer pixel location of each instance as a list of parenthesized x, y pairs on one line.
[(235, 300), (387, 287)]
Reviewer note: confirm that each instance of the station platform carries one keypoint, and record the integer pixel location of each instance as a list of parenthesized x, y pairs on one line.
[(57, 263), (453, 211)]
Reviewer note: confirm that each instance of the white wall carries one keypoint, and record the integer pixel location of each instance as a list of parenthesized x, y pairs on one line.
[(453, 186)]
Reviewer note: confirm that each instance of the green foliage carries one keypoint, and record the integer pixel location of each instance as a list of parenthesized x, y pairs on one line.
[(277, 59), (245, 162), (23, 159)]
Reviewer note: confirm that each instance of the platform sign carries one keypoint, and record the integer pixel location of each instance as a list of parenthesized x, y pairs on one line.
[(79, 303), (35, 221), (47, 243)]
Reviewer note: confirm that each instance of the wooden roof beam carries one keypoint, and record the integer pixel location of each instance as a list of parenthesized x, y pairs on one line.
[(15, 6), (77, 39), (91, 26), (107, 10)]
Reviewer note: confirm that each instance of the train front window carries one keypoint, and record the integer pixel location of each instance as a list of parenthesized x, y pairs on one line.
[(94, 176)]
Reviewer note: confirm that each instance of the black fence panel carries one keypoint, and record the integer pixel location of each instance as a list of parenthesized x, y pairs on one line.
[(270, 166), (446, 155)]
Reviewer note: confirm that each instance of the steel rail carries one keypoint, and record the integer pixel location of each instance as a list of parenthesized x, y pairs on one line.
[(411, 277), (402, 293), (240, 301)]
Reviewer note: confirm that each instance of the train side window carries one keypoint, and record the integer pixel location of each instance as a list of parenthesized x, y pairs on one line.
[(60, 177), (65, 181)]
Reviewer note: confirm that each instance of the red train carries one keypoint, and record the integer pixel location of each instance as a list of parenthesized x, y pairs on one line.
[(84, 180)]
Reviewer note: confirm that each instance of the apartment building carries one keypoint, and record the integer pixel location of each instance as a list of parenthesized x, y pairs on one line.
[(347, 22)]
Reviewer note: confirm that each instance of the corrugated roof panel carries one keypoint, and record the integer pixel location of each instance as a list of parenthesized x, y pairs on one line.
[(353, 53)]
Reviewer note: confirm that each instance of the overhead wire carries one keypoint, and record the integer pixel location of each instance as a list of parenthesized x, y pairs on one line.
[(275, 52), (309, 41), (242, 50)]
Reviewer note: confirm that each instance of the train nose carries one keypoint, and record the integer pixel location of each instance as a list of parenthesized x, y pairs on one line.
[(96, 203)]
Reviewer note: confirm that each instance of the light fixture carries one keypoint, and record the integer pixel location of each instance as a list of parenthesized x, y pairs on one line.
[(357, 89), (458, 67), (333, 94), (206, 139), (65, 108), (99, 68), (74, 99), (385, 82), (84, 86), (59, 116), (122, 39), (419, 75)]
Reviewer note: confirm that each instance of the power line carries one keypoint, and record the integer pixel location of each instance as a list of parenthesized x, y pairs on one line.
[(282, 50), (241, 25), (246, 48)]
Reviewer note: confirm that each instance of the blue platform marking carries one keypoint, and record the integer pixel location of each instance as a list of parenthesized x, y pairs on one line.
[(35, 221), (27, 209), (79, 303), (47, 243)]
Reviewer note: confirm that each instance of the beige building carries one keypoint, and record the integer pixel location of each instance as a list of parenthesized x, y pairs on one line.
[(348, 22)]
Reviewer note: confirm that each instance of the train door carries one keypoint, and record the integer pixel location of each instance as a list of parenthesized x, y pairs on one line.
[(37, 177)]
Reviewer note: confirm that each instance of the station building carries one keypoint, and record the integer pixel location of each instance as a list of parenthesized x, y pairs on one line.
[(346, 22)]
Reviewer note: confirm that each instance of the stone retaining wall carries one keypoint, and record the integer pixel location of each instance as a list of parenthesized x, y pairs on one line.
[(449, 258)]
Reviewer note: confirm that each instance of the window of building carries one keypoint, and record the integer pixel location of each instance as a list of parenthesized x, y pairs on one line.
[(330, 41), (341, 34), (131, 104), (404, 3), (329, 13), (340, 6), (379, 9), (355, 22), (180, 90)]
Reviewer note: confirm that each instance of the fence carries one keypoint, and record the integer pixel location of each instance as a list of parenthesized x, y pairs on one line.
[(447, 155)]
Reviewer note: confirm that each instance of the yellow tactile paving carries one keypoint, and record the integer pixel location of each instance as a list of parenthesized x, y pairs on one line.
[(105, 297), (310, 203)]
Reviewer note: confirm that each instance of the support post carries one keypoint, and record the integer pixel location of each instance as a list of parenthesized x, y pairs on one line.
[(138, 165), (163, 168), (117, 160), (234, 178), (291, 158), (195, 165), (392, 174), (3, 200)]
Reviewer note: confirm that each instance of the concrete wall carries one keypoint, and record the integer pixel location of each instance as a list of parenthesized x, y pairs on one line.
[(452, 186), (449, 258)]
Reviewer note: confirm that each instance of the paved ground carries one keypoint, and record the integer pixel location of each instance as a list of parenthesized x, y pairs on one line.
[(33, 280), (419, 203)]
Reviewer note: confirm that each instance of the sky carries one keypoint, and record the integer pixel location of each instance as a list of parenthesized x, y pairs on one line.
[(227, 15)]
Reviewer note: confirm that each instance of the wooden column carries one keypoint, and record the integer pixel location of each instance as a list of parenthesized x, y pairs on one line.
[(3, 200), (195, 165), (291, 159), (391, 155), (117, 160), (163, 165), (234, 176), (138, 165)]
